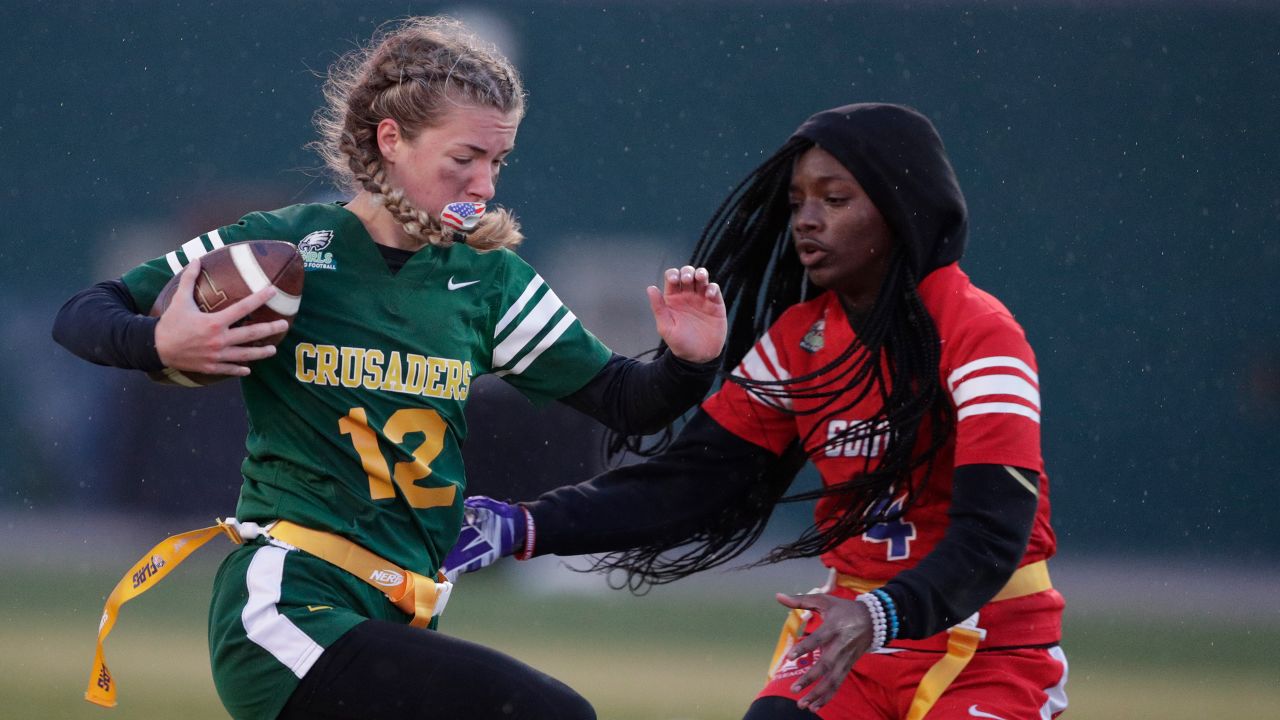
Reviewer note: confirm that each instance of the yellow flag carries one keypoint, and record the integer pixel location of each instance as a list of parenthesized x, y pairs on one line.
[(144, 574)]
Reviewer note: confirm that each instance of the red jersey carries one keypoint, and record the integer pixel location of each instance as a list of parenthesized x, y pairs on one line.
[(988, 372)]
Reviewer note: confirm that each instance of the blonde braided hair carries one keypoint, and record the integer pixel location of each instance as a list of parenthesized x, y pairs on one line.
[(413, 73)]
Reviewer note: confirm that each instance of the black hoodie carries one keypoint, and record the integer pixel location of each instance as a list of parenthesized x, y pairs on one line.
[(897, 157)]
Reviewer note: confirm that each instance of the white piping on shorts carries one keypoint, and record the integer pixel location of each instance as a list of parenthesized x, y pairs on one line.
[(1057, 701), (264, 625)]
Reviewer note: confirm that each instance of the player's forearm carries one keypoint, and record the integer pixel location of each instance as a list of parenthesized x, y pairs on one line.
[(638, 398), (665, 499), (990, 521), (101, 324)]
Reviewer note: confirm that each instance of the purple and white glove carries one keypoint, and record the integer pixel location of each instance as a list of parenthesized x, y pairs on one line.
[(491, 530)]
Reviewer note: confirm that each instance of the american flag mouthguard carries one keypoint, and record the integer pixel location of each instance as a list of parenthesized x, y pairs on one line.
[(463, 217)]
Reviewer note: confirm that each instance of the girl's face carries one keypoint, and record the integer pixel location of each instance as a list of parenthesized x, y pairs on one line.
[(458, 159), (842, 239)]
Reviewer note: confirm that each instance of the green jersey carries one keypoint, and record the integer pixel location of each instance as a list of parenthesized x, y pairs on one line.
[(355, 424)]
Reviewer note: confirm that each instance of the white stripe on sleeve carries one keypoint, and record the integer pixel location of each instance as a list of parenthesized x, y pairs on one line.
[(771, 352), (988, 362), (986, 385), (194, 248), (753, 367), (996, 408), (530, 326), (541, 347), (515, 309)]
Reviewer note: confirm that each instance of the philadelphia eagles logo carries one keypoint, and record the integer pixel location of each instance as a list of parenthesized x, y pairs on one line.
[(812, 340), (312, 248), (316, 241)]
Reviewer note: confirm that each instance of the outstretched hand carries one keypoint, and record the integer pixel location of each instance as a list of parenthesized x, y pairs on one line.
[(844, 635), (690, 315), (190, 340), (491, 530)]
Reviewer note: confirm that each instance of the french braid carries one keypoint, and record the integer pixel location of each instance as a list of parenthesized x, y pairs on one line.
[(414, 73)]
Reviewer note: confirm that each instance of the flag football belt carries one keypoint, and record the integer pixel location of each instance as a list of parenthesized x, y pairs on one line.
[(414, 594), (962, 642)]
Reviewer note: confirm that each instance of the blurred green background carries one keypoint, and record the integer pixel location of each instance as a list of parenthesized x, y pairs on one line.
[(1119, 159)]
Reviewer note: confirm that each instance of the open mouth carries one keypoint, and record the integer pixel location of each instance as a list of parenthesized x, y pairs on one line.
[(810, 251)]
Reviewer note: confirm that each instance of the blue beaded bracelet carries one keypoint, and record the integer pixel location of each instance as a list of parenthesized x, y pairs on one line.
[(892, 610)]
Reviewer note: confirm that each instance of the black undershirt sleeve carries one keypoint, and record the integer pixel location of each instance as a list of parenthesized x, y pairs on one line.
[(102, 325), (990, 523), (635, 397), (668, 497)]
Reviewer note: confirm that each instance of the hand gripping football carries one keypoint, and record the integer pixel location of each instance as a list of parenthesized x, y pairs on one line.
[(231, 273)]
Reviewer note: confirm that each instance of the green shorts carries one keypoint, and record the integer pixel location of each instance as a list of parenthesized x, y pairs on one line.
[(273, 613)]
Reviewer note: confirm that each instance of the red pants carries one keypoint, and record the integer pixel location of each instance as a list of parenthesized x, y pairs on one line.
[(1019, 684)]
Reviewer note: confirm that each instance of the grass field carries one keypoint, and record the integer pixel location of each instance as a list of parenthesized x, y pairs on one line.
[(671, 654)]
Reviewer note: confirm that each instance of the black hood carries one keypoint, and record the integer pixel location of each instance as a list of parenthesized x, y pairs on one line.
[(897, 157)]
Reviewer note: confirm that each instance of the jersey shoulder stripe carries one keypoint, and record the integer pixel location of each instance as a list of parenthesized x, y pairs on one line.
[(546, 342), (997, 409), (1005, 361), (196, 247), (977, 394), (988, 367), (289, 224), (533, 340), (993, 385), (544, 322), (514, 311), (762, 363)]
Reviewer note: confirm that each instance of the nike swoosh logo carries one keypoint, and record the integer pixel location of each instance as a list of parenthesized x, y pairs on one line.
[(975, 712), (318, 608), (456, 285)]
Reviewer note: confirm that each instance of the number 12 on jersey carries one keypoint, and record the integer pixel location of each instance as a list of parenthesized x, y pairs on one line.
[(406, 474)]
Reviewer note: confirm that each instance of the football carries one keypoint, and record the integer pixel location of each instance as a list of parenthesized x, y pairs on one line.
[(231, 273)]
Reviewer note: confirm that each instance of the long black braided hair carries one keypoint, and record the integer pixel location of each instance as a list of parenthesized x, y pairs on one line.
[(898, 159)]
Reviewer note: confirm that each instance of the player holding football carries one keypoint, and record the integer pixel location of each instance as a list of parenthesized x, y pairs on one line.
[(915, 395), (353, 451)]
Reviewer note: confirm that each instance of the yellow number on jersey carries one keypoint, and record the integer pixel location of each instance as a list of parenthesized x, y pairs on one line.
[(401, 423)]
